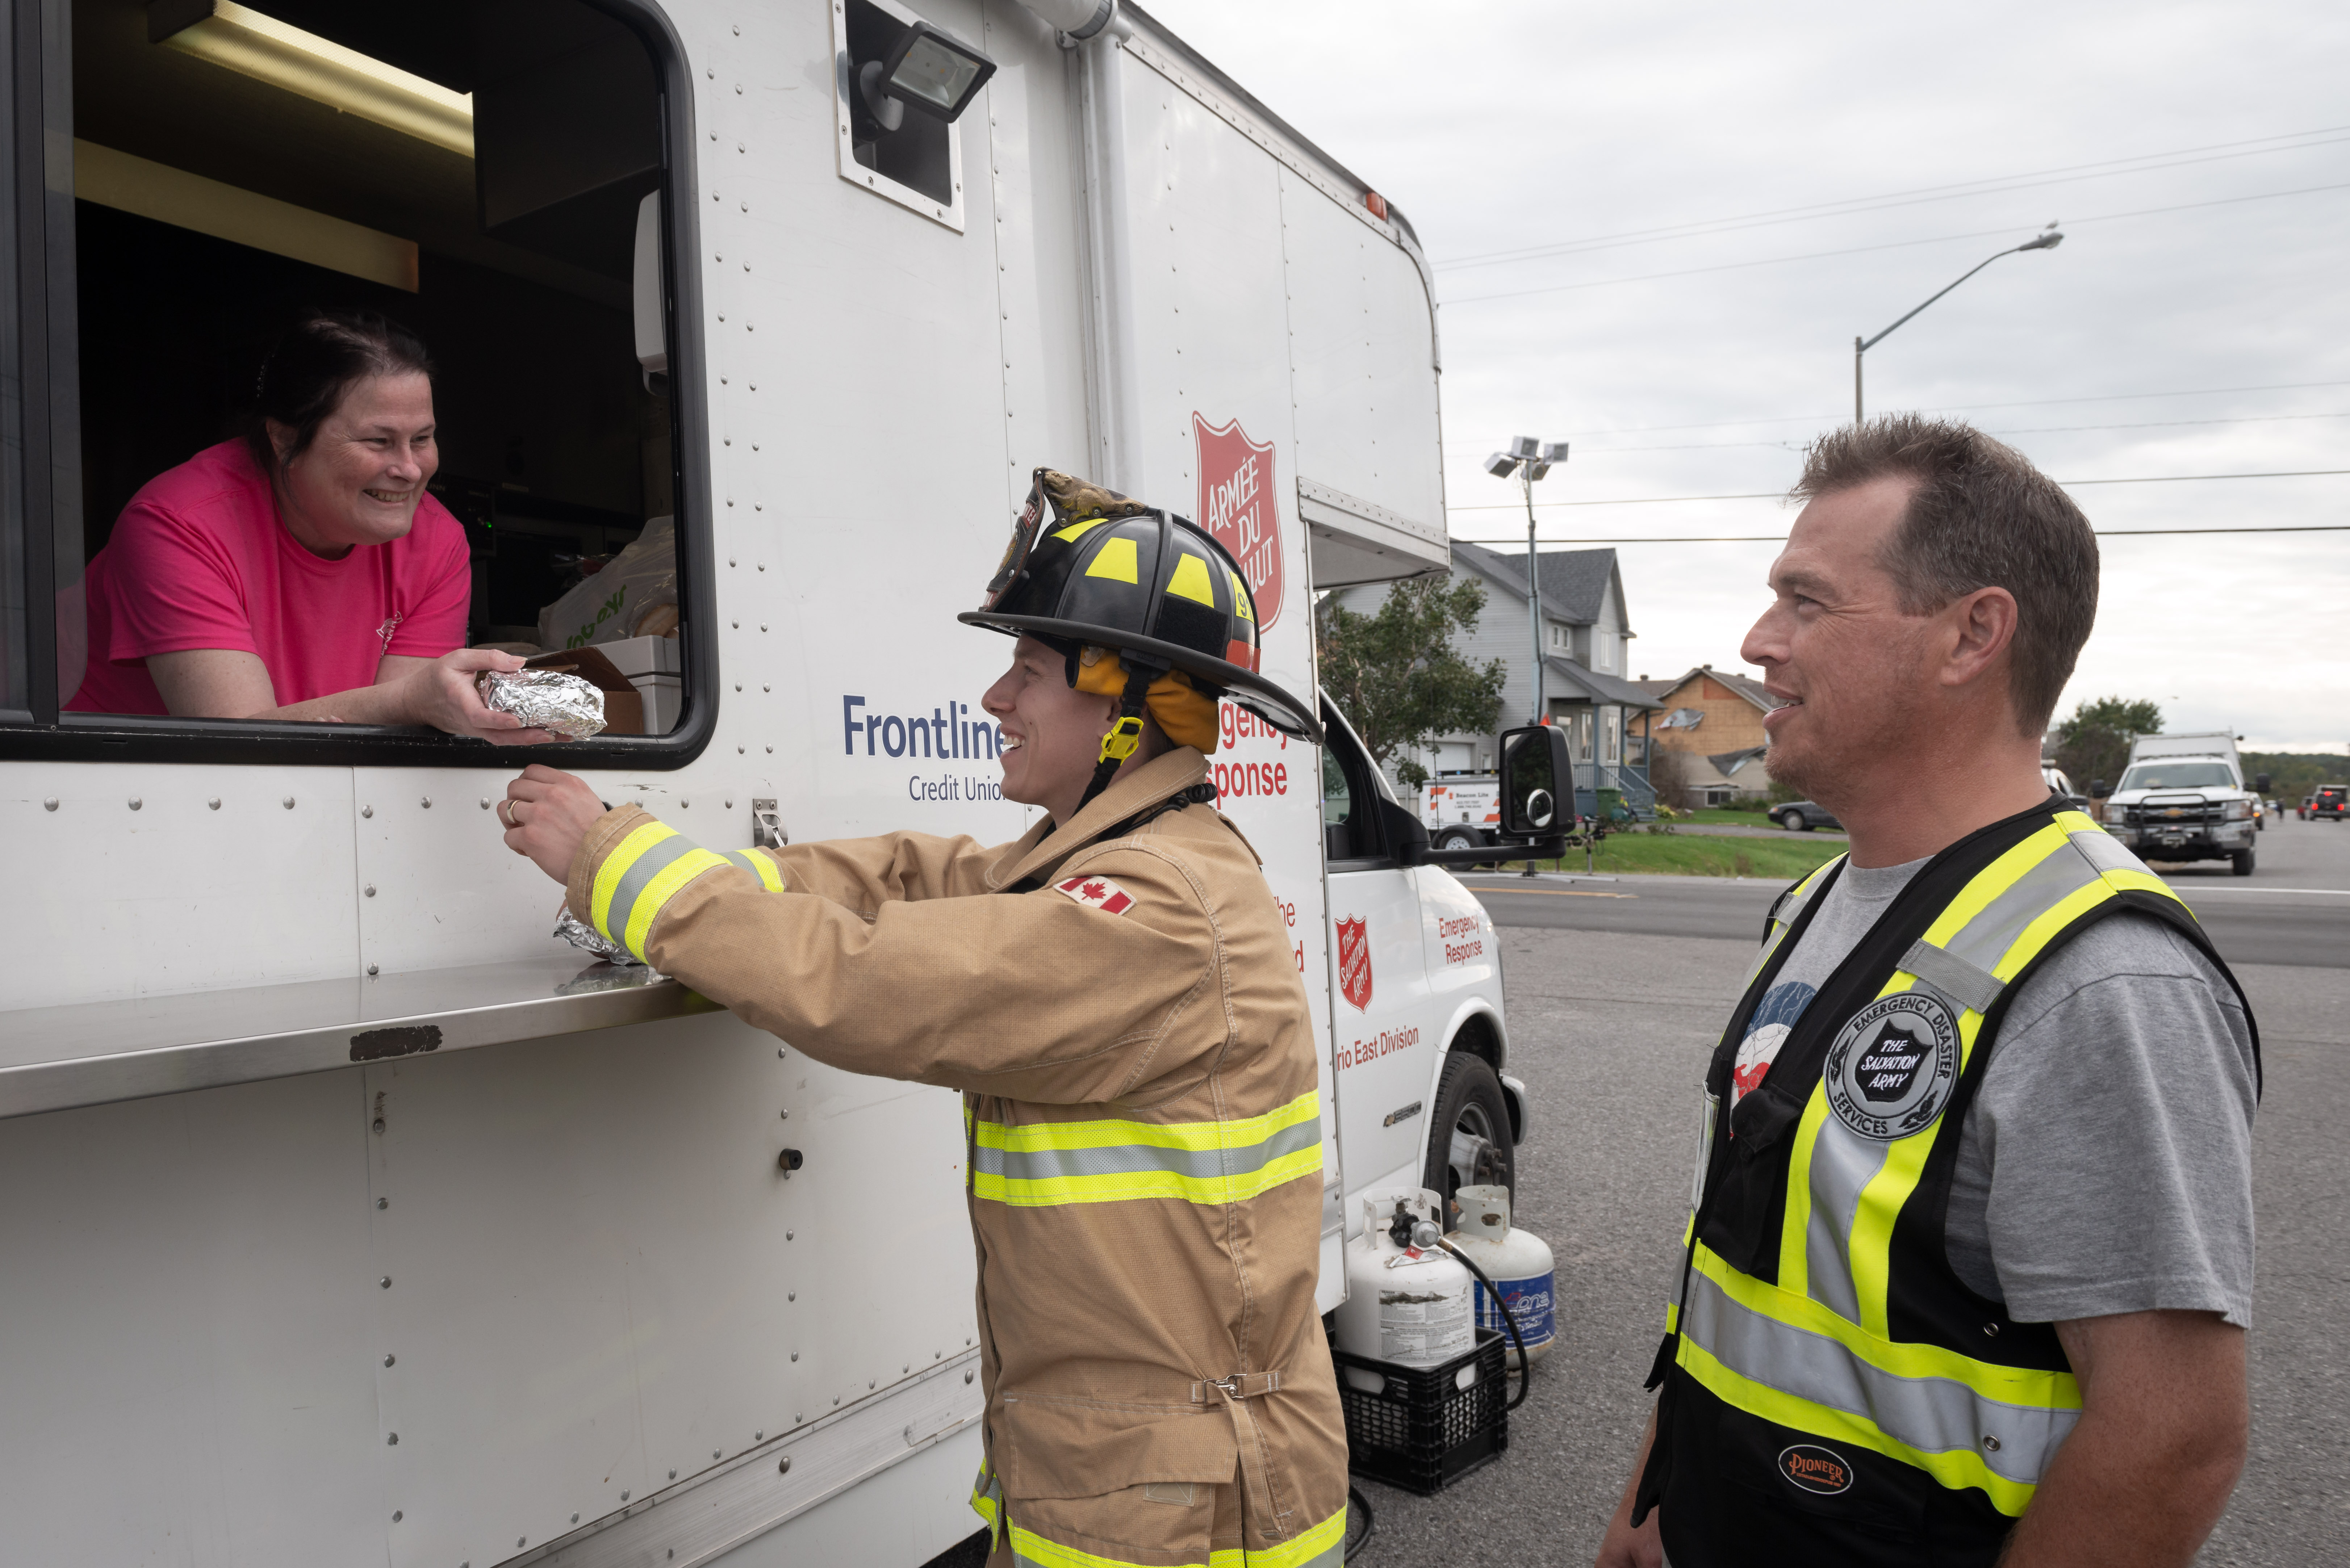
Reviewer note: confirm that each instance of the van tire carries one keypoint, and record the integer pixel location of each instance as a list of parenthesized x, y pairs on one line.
[(1459, 839), (2243, 862), (1469, 1099)]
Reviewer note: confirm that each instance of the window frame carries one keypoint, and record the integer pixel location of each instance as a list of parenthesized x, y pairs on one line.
[(49, 432), (1365, 787)]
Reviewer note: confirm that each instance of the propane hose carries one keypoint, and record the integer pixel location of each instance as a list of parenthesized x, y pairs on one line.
[(1362, 1505), (1508, 1319)]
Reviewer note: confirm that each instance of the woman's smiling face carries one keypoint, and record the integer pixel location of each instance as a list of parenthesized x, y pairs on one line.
[(1052, 733), (360, 478)]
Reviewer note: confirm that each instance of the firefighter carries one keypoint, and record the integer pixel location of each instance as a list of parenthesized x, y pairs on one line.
[(1115, 996)]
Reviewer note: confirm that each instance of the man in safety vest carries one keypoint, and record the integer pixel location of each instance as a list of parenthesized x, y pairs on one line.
[(1115, 997), (1970, 1256)]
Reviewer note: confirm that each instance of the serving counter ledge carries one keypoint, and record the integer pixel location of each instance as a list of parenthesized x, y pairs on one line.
[(53, 1058)]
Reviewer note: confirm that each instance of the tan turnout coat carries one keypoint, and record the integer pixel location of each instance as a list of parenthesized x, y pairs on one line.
[(1126, 1019)]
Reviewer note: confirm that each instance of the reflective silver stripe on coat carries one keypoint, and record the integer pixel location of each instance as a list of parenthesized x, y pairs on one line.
[(1984, 940), (1967, 984), (2104, 852), (1844, 1162), (633, 881), (1843, 1165), (1932, 1415), (1125, 1158)]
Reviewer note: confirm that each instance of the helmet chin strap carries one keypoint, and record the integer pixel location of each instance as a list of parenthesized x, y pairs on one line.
[(1126, 734)]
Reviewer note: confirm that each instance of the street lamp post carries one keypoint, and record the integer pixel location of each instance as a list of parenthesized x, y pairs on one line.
[(1530, 460), (2045, 242)]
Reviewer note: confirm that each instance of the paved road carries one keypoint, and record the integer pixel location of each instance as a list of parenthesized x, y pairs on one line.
[(2293, 909), (1611, 1013)]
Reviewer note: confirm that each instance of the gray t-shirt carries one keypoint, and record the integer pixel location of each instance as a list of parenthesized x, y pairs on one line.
[(2106, 1166)]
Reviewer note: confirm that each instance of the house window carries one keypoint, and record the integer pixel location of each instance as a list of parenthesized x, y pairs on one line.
[(499, 194)]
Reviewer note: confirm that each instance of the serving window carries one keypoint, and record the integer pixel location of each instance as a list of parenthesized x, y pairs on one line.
[(490, 176)]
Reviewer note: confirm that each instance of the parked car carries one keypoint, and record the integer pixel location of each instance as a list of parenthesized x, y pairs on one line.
[(1803, 816)]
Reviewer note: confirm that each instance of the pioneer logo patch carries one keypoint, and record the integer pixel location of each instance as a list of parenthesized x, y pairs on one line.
[(1815, 1469), (1892, 1067)]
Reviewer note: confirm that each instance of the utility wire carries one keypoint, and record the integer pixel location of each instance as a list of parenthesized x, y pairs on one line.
[(2294, 141), (1946, 408), (2011, 429), (1781, 494), (1890, 245)]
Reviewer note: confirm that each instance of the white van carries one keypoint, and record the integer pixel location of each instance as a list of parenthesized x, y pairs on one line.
[(351, 1216)]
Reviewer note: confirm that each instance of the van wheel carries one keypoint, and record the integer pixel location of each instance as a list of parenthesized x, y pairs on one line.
[(1458, 838), (1469, 1136), (2243, 860)]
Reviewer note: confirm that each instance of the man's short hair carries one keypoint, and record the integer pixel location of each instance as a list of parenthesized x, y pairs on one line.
[(1980, 516)]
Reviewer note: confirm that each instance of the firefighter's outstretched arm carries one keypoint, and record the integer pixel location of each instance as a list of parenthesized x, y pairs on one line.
[(941, 991)]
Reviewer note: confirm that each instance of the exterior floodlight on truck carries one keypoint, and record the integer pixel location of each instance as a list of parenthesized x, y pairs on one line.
[(357, 1217)]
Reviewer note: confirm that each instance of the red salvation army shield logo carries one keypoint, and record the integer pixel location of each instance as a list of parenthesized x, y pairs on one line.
[(1239, 509), (1355, 963)]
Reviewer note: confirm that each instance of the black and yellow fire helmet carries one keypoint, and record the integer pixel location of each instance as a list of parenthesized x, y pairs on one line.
[(1087, 565)]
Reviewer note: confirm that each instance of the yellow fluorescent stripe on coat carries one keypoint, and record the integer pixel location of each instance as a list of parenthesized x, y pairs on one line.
[(1130, 1186), (657, 892), (1324, 1543), (1995, 879), (625, 853), (1957, 1469), (770, 874), (1109, 1133), (1902, 1358), (1113, 1160)]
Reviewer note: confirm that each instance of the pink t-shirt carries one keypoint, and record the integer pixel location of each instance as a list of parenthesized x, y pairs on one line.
[(201, 559)]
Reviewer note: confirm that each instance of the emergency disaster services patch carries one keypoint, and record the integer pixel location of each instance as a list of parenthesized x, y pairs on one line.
[(1892, 1067), (1097, 893)]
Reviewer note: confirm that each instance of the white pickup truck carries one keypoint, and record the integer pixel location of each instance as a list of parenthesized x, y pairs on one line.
[(2182, 797)]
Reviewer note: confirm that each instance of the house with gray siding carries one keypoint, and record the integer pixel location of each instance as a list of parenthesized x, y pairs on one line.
[(1586, 637)]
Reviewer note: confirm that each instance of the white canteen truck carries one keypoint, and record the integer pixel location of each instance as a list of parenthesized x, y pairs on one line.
[(2182, 797), (352, 1218)]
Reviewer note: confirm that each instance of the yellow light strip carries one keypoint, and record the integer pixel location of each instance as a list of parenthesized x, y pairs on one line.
[(268, 50), (186, 201)]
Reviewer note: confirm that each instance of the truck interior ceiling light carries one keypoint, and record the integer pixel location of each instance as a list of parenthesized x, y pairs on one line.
[(286, 56), (930, 72)]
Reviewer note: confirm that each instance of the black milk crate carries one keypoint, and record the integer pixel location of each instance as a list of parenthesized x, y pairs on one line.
[(1422, 1428)]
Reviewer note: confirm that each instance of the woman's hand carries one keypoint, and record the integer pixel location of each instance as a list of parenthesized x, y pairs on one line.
[(441, 692), (546, 813)]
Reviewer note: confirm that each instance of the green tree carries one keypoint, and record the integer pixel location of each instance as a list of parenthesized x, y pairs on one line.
[(2095, 742), (1397, 676)]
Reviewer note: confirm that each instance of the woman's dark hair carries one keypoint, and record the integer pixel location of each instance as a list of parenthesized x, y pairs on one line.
[(315, 366)]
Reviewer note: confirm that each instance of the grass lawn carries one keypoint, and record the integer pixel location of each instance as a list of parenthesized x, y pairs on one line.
[(1687, 854)]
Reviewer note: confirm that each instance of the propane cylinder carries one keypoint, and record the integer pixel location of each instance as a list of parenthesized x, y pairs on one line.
[(1517, 1262), (1406, 1298)]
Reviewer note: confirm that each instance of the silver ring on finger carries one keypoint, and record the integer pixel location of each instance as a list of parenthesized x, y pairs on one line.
[(505, 810)]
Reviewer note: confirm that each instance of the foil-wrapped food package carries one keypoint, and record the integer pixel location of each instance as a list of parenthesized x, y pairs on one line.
[(571, 929), (546, 700)]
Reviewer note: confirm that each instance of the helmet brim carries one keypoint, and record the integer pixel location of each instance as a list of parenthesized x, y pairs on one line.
[(1244, 687)]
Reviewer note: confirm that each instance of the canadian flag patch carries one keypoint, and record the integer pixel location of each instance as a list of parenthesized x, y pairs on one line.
[(1097, 893)]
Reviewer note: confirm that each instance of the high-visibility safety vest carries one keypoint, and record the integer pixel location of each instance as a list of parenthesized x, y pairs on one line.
[(1833, 1393)]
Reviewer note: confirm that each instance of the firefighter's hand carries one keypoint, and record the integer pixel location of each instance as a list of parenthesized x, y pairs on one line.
[(546, 813)]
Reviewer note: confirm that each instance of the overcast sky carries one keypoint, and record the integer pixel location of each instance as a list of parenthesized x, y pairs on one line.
[(1800, 159)]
